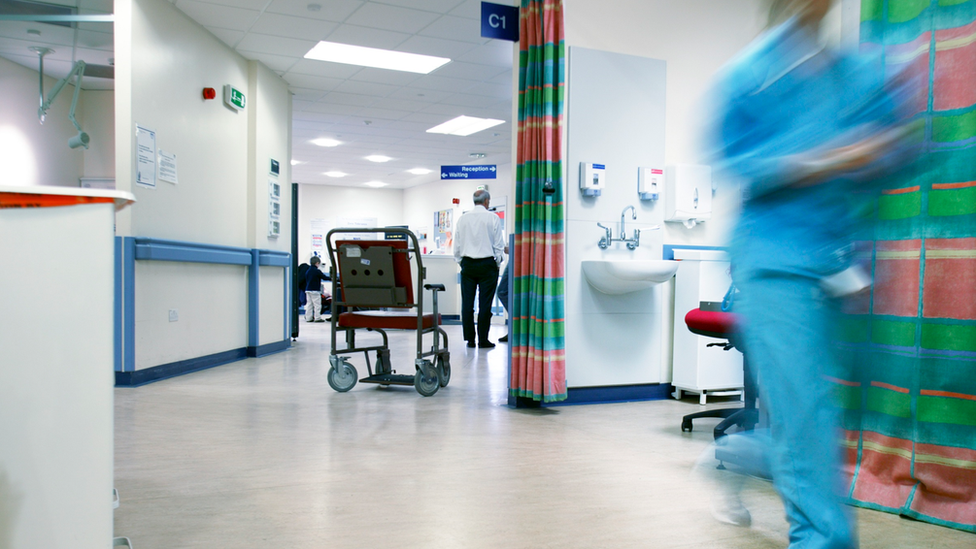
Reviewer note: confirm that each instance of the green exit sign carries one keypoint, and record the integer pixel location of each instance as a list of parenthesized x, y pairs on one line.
[(233, 97)]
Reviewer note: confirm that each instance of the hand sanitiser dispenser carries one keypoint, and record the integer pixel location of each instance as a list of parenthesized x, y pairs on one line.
[(650, 181), (592, 178), (688, 194)]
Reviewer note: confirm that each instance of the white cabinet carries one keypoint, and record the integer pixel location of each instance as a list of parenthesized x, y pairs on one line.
[(703, 275), (56, 378)]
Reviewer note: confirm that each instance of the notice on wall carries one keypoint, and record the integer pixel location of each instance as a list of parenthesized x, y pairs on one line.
[(320, 227), (145, 157), (167, 166), (358, 223)]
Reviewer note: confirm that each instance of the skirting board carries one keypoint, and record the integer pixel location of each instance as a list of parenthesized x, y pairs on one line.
[(173, 369), (602, 395)]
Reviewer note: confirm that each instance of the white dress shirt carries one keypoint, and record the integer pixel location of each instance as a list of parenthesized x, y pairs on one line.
[(478, 234)]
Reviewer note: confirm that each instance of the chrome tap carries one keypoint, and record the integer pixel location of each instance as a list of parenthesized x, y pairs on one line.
[(623, 229), (633, 242)]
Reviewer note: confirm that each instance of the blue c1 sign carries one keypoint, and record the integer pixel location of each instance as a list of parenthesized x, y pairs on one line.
[(498, 21), (483, 171)]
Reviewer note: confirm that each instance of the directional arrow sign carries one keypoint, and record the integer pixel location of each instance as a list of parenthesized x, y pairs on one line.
[(483, 171)]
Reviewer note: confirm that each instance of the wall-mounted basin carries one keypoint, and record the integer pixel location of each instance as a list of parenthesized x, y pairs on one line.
[(623, 276)]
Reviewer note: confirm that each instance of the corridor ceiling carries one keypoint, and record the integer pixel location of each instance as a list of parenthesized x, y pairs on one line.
[(370, 111)]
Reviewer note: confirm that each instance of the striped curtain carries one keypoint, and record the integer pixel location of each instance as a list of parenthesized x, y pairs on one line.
[(538, 335), (910, 401)]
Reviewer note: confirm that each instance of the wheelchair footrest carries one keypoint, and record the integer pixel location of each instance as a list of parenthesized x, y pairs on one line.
[(389, 379)]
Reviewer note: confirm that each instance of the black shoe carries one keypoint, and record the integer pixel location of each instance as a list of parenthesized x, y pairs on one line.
[(503, 339), (471, 344), (485, 344)]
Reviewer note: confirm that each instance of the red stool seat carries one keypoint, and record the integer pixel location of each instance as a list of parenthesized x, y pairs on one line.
[(717, 324)]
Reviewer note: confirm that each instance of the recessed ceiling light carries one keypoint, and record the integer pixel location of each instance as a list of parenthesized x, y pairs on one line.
[(373, 57), (476, 155), (296, 162), (326, 142), (375, 184), (335, 174), (378, 158), (465, 125), (420, 171)]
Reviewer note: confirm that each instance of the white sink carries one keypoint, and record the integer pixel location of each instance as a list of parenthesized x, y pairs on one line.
[(624, 276)]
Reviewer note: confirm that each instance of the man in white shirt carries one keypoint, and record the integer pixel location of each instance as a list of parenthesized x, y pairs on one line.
[(478, 247)]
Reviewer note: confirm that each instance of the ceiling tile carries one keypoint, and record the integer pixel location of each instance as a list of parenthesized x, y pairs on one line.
[(403, 104), (276, 45), (471, 9), (466, 100), (436, 6), (256, 5), (391, 18), (50, 34), (496, 52), (418, 94), (277, 63), (376, 112), (471, 71), (324, 68), (322, 106), (452, 49), (428, 119), (455, 28), (383, 76), (366, 88), (332, 10), (293, 27), (431, 82), (367, 37), (496, 91), (227, 36), (312, 82), (305, 95), (222, 17), (339, 98)]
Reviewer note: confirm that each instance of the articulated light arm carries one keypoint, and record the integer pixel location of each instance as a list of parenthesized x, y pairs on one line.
[(80, 140)]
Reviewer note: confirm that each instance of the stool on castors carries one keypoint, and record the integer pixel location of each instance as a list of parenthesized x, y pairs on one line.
[(722, 325)]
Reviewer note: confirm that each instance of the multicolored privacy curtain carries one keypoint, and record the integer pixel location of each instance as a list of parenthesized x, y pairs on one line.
[(910, 418), (538, 335)]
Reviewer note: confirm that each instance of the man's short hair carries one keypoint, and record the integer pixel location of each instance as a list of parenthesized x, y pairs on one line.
[(315, 260), (481, 197)]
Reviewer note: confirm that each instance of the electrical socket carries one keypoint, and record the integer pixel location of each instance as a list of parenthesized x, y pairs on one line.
[(173, 315)]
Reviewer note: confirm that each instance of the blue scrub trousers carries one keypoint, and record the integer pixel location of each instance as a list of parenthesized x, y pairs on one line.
[(786, 334)]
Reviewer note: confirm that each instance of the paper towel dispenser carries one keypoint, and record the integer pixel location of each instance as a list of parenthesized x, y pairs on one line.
[(688, 193)]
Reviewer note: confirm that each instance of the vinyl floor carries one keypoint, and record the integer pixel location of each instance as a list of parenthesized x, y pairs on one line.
[(263, 453)]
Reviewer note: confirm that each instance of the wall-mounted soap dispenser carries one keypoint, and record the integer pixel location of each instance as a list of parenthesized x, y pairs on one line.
[(650, 181), (688, 193), (592, 178)]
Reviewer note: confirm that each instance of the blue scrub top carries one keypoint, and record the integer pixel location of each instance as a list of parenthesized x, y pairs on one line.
[(786, 95)]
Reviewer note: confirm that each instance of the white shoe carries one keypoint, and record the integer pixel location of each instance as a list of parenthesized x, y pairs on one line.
[(730, 510)]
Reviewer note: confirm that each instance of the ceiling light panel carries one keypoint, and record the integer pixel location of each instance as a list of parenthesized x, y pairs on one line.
[(375, 184), (376, 58), (335, 174), (420, 171), (326, 142), (465, 125), (378, 158)]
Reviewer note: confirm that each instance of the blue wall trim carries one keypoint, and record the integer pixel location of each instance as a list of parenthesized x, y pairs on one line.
[(117, 307), (274, 259), (269, 348), (615, 393), (129, 249), (128, 304), (173, 369), (190, 252), (670, 248)]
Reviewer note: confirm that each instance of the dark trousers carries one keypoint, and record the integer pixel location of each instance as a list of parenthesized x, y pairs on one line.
[(481, 276)]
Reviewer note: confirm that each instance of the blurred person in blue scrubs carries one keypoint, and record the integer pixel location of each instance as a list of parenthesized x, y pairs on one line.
[(802, 129)]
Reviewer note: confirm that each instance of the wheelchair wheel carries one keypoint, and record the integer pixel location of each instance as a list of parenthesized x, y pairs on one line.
[(444, 370), (426, 386), (343, 377)]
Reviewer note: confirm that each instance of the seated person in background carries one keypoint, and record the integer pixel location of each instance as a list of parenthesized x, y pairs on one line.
[(301, 283), (313, 290)]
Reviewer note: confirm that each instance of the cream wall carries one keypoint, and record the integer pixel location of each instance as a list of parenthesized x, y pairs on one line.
[(38, 154), (695, 38), (331, 203), (163, 61)]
